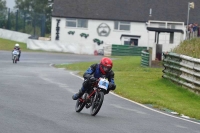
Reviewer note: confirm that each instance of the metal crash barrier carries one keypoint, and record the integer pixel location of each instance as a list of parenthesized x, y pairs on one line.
[(183, 70), (145, 58)]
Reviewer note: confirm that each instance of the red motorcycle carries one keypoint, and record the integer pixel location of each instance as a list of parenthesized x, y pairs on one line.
[(93, 98)]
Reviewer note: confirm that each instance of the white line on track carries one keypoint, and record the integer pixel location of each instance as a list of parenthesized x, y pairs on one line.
[(128, 109)]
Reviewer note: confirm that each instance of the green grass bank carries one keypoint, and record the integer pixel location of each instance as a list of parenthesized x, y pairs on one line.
[(189, 47)]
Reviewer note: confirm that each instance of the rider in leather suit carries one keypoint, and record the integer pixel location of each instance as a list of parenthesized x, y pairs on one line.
[(94, 72), (17, 48)]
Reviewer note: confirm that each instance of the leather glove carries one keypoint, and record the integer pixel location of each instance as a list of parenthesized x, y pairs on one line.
[(111, 86), (107, 92), (92, 79)]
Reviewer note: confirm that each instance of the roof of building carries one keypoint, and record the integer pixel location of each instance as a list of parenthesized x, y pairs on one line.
[(127, 10)]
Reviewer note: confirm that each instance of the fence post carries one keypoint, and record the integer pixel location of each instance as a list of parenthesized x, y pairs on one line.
[(8, 21), (150, 56), (34, 23), (24, 21), (16, 26), (43, 25)]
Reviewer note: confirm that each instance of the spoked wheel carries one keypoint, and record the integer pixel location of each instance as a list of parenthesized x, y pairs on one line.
[(97, 102), (14, 59), (79, 105)]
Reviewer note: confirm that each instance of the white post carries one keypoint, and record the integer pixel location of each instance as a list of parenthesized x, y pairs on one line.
[(188, 20)]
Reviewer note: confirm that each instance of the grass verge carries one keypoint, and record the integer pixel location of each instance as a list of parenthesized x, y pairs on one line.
[(146, 86), (8, 45), (189, 47)]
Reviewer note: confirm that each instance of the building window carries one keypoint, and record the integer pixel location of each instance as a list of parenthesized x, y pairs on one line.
[(171, 37), (161, 25), (79, 23), (171, 26), (126, 42), (119, 25)]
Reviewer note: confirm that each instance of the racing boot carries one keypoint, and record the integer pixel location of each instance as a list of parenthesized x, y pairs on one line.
[(78, 95)]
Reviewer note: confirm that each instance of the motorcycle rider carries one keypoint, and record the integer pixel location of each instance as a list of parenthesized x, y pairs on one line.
[(17, 47), (95, 71)]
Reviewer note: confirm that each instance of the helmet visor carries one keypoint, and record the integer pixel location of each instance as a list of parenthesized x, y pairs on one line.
[(106, 69)]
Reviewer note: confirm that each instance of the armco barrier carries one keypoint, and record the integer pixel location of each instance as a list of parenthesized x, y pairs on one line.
[(145, 58), (126, 50), (182, 69)]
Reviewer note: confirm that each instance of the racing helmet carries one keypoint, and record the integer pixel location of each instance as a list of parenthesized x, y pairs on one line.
[(16, 45), (106, 65)]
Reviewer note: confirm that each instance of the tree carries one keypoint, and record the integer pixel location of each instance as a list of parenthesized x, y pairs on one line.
[(2, 4), (37, 6), (3, 12), (36, 9)]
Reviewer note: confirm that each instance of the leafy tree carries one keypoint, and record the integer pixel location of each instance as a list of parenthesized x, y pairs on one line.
[(2, 4), (38, 6), (3, 12), (35, 10)]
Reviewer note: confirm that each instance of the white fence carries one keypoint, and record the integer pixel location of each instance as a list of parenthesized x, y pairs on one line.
[(43, 44), (15, 36), (60, 46)]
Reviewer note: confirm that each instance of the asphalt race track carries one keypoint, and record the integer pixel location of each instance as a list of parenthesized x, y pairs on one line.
[(36, 98)]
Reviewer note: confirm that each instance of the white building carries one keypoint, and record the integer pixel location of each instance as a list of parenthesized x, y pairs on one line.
[(88, 25)]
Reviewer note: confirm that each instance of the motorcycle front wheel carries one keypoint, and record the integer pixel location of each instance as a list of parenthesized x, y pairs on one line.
[(79, 105), (97, 103), (14, 60)]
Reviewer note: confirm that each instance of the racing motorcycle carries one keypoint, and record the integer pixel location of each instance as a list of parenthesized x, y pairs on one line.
[(15, 55), (93, 98)]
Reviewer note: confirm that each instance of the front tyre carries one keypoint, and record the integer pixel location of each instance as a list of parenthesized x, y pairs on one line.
[(97, 103), (79, 105), (14, 59)]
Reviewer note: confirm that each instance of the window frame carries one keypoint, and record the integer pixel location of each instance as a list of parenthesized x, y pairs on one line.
[(76, 21), (118, 24)]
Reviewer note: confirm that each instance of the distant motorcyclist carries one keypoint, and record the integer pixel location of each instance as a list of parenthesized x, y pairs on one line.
[(17, 47), (95, 71)]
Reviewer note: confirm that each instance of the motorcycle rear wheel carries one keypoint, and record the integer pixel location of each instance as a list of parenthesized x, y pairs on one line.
[(97, 103)]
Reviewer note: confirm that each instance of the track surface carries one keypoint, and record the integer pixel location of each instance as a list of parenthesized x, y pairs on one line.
[(36, 98)]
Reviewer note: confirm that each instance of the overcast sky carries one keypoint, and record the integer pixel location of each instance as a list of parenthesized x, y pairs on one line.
[(10, 3)]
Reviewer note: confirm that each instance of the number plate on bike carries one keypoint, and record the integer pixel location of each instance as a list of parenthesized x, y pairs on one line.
[(103, 83), (15, 52)]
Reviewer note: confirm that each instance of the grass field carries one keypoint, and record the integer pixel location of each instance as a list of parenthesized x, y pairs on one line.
[(8, 45), (143, 85)]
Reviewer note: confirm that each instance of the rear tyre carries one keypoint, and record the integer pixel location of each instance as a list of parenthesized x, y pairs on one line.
[(97, 103)]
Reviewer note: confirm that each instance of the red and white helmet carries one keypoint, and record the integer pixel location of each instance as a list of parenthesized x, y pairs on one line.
[(105, 65)]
